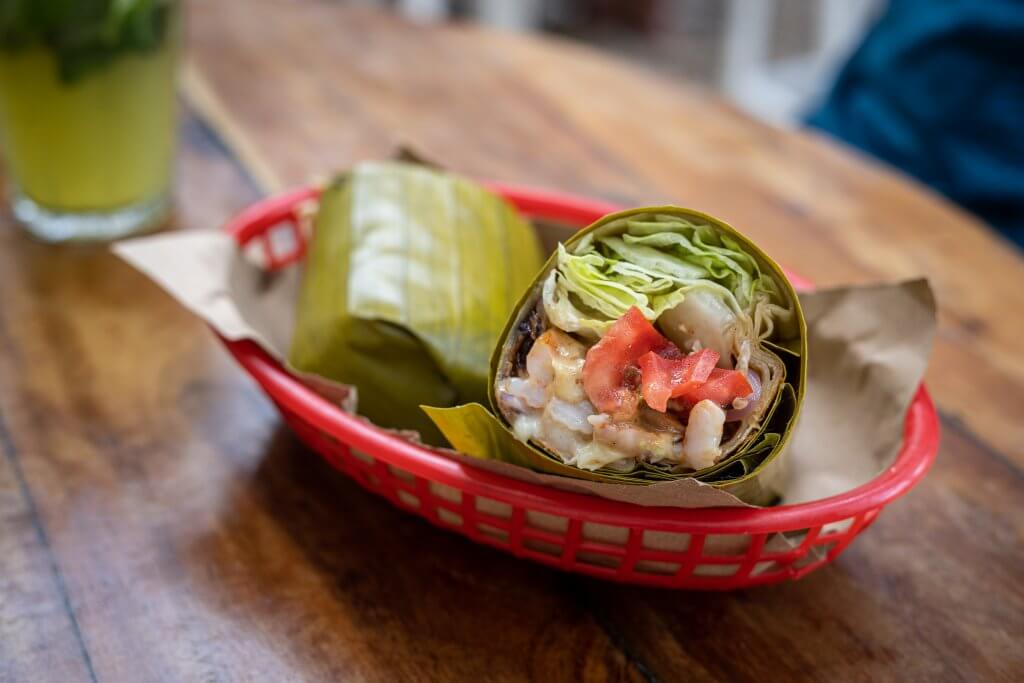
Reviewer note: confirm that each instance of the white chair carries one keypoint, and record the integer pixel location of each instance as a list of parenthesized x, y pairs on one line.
[(781, 90)]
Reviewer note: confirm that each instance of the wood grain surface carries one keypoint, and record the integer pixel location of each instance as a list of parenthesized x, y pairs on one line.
[(159, 523)]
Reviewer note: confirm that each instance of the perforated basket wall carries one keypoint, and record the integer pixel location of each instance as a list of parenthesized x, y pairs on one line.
[(718, 548)]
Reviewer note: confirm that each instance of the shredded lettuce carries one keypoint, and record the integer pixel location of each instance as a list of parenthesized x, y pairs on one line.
[(652, 264)]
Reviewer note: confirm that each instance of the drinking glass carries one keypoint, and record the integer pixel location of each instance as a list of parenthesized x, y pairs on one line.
[(87, 114)]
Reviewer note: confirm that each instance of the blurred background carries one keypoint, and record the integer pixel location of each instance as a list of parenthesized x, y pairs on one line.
[(932, 87), (773, 58)]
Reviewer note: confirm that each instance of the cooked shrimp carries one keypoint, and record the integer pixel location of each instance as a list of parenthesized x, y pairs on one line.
[(564, 426), (524, 392), (553, 365), (554, 345), (630, 439), (703, 436)]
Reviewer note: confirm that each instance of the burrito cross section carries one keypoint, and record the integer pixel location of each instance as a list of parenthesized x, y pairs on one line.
[(657, 343)]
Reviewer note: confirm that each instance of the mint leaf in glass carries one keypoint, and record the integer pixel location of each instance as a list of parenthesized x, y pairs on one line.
[(84, 35)]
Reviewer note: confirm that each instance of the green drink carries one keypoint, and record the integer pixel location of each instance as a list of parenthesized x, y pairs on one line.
[(88, 115)]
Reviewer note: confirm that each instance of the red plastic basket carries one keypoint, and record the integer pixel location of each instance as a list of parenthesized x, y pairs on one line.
[(707, 548)]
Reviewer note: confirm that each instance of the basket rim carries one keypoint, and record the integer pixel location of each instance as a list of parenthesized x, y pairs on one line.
[(916, 455)]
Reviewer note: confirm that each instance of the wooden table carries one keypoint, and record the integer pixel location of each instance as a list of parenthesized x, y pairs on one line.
[(157, 521)]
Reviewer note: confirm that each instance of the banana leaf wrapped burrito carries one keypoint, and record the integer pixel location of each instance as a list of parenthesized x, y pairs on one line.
[(410, 277), (656, 344)]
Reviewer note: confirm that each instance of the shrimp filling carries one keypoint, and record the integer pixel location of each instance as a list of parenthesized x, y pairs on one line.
[(648, 344), (551, 405)]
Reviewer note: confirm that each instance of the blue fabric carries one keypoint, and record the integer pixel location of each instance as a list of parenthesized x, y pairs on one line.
[(937, 89)]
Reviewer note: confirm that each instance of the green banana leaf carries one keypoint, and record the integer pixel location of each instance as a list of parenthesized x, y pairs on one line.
[(715, 252), (410, 277)]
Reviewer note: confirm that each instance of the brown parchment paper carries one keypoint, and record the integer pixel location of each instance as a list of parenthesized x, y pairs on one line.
[(867, 351)]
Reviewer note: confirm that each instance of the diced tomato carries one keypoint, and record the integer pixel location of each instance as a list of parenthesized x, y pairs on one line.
[(665, 378), (722, 387), (611, 377)]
